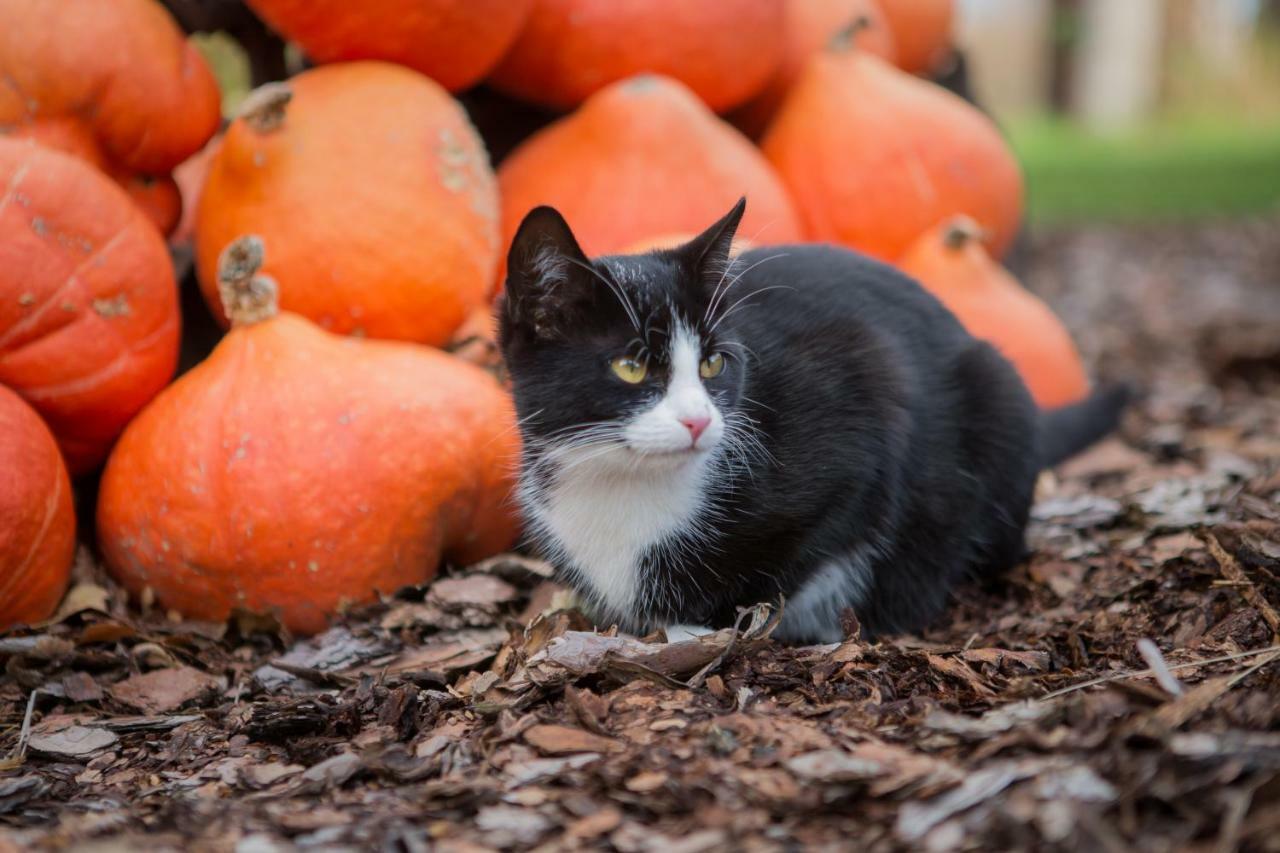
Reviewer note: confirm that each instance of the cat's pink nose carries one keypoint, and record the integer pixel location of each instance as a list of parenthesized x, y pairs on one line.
[(696, 425)]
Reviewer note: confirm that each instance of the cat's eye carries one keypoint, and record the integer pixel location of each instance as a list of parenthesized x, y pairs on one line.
[(630, 370), (712, 366)]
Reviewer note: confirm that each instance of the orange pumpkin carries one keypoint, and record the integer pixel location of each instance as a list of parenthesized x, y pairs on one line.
[(374, 193), (37, 519), (88, 305), (811, 26), (874, 157), (921, 31), (640, 158), (134, 110), (724, 51), (294, 470), (454, 42), (672, 241), (952, 264)]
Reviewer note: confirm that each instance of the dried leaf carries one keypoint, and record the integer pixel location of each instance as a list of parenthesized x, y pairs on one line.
[(164, 689)]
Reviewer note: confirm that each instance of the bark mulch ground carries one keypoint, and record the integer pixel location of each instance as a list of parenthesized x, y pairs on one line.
[(1120, 690)]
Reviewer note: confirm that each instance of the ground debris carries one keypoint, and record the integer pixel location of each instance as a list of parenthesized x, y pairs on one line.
[(1119, 690)]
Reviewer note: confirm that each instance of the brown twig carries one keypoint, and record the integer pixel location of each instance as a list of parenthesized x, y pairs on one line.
[(1232, 572), (1093, 682)]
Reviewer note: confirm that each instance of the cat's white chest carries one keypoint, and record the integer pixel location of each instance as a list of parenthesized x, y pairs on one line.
[(600, 520)]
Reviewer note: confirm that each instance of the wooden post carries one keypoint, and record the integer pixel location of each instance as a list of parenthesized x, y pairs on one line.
[(1117, 72)]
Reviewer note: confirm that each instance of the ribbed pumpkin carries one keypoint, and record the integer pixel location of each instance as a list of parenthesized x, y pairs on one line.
[(811, 26), (294, 470), (993, 306), (724, 50), (112, 81), (37, 519), (921, 31), (88, 304), (643, 158), (372, 190), (875, 157), (454, 42)]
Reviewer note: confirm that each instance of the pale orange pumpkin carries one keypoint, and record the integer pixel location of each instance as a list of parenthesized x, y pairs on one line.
[(993, 306), (641, 158), (921, 31), (294, 470), (874, 157), (88, 304), (37, 519), (111, 81), (374, 193)]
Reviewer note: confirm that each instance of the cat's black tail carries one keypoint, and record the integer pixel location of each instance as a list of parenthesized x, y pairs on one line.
[(1066, 431)]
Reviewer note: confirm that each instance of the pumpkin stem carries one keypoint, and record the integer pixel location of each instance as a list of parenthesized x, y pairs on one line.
[(962, 231), (846, 35), (263, 109), (247, 297)]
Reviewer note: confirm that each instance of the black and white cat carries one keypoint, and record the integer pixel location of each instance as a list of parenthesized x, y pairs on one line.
[(703, 433)]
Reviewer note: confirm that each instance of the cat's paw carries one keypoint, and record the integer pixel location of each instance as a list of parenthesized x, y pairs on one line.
[(680, 633)]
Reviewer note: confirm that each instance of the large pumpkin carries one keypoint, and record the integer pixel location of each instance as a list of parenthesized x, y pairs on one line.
[(874, 157), (993, 306), (294, 470), (921, 30), (88, 304), (812, 26), (112, 81), (723, 50), (454, 42), (37, 519), (640, 159), (372, 190)]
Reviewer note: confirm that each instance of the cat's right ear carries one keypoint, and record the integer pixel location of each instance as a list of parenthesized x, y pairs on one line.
[(548, 276)]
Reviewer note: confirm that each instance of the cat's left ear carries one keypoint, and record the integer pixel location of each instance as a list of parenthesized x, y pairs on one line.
[(548, 276), (708, 253)]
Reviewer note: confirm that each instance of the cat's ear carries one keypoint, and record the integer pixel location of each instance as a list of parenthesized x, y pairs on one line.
[(708, 253), (548, 276)]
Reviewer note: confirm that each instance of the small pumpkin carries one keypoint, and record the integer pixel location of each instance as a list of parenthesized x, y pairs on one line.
[(993, 306), (374, 193), (88, 304), (874, 157), (454, 42), (811, 26), (37, 519), (135, 110), (640, 158), (294, 470), (921, 32), (724, 51)]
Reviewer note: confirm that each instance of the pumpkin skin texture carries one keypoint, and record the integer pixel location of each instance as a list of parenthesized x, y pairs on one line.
[(811, 26), (135, 110), (37, 519), (89, 317), (993, 306), (921, 31), (294, 470), (874, 157), (642, 158), (389, 231), (724, 51), (454, 42)]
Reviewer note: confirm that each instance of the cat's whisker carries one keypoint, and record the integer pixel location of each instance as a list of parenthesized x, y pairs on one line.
[(743, 302), (614, 287)]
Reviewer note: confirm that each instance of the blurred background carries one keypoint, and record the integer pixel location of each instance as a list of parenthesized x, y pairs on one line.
[(1133, 110)]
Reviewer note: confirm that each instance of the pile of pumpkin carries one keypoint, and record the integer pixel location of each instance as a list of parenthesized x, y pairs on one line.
[(348, 226)]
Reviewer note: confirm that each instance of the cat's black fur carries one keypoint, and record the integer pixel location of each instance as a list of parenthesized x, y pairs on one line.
[(888, 431)]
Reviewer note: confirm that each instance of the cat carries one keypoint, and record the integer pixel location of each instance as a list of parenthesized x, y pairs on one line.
[(704, 432)]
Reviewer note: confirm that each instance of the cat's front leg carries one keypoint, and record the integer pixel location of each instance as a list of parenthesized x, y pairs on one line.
[(680, 633)]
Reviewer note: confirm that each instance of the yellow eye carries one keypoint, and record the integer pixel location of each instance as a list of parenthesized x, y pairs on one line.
[(629, 369), (712, 366)]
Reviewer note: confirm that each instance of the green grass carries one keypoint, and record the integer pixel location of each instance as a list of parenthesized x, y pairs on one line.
[(1171, 171)]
